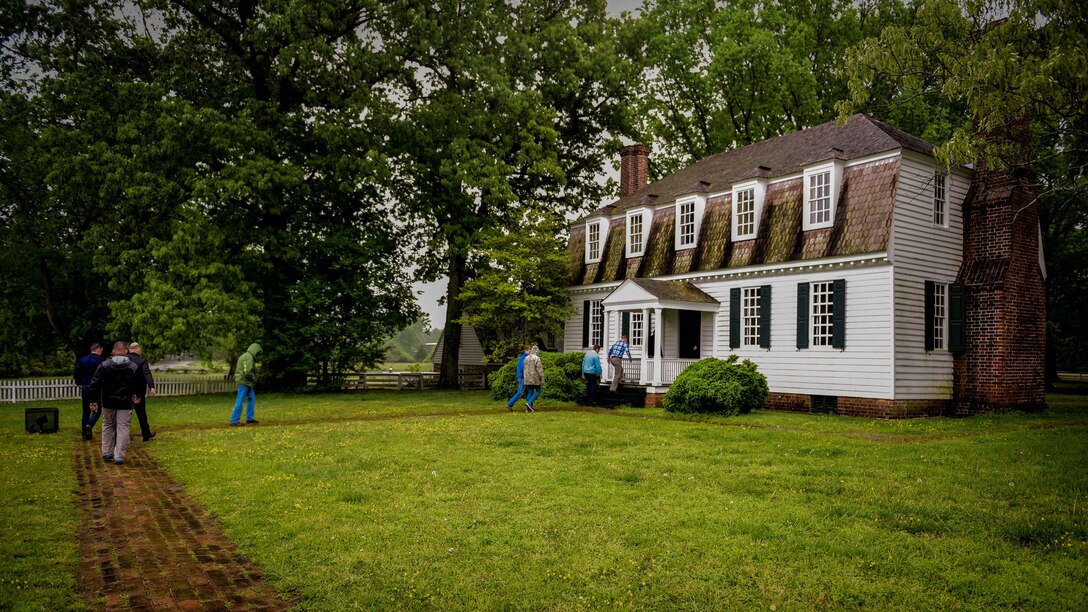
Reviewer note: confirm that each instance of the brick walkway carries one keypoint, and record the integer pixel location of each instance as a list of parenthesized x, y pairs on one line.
[(148, 546)]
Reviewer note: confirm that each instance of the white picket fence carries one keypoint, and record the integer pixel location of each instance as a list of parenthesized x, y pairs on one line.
[(12, 391)]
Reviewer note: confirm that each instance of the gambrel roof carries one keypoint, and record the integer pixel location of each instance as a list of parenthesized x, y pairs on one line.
[(862, 222)]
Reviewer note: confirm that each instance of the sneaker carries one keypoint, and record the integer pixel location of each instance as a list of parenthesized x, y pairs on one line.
[(107, 457), (252, 421), (529, 408), (238, 424), (148, 438), (118, 461), (87, 433)]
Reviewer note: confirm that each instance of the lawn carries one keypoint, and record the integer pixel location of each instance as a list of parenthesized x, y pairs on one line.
[(445, 500)]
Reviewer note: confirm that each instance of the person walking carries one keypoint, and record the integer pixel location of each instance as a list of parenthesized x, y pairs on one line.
[(521, 378), (116, 379), (144, 391), (615, 357), (591, 372), (246, 376), (534, 378), (85, 368)]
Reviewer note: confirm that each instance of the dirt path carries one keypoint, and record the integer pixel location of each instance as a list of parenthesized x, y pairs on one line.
[(148, 546)]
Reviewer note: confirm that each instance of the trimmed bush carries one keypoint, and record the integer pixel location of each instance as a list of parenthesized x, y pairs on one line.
[(562, 378), (718, 386)]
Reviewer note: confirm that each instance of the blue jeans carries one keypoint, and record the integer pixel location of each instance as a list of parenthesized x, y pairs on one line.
[(243, 393), (534, 392), (90, 417), (521, 389)]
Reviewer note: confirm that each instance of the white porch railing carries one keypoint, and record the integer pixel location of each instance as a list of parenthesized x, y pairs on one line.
[(671, 368), (643, 371)]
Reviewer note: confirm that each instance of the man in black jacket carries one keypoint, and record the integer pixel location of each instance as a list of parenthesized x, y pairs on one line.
[(147, 389), (85, 368), (117, 379)]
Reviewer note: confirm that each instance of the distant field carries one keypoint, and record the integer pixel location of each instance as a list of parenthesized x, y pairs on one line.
[(445, 500)]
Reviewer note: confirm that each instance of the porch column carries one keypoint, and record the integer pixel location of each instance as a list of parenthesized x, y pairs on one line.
[(714, 334), (606, 328), (642, 364), (659, 341)]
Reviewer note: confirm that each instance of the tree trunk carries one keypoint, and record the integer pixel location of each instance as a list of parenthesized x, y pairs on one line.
[(451, 335)]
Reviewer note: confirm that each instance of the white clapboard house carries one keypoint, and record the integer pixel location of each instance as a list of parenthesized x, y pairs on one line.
[(861, 275)]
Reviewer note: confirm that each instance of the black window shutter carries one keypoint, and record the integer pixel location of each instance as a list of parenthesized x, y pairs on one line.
[(734, 318), (765, 316), (957, 322), (802, 315), (585, 323), (838, 314), (929, 316), (626, 325)]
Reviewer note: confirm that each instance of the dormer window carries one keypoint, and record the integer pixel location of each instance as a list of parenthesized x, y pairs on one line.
[(747, 206), (821, 194), (636, 232), (594, 240), (689, 211)]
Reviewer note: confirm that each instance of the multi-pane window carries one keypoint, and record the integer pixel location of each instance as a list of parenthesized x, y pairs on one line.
[(596, 322), (940, 314), (634, 233), (594, 241), (823, 300), (687, 224), (939, 199), (746, 213), (637, 326), (819, 198), (750, 315)]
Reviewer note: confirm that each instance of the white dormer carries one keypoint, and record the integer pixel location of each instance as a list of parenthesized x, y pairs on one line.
[(747, 208), (596, 232), (689, 217), (638, 230), (821, 190)]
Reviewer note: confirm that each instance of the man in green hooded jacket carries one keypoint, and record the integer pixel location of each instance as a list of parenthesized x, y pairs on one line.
[(247, 379)]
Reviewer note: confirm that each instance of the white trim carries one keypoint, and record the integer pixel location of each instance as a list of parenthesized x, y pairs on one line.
[(602, 224), (645, 217), (869, 259), (698, 203), (834, 170), (759, 193)]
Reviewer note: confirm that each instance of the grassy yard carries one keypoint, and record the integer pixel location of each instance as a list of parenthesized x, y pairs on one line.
[(445, 500)]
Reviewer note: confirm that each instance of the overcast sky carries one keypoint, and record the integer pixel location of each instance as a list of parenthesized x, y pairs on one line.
[(429, 293)]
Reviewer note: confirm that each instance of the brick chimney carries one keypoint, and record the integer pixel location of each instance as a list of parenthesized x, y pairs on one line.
[(1004, 364), (634, 168)]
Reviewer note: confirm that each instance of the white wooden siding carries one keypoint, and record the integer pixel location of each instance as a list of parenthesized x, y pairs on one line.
[(572, 332), (922, 251), (863, 369), (471, 353)]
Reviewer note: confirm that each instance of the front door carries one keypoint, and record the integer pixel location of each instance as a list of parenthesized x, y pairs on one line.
[(690, 333)]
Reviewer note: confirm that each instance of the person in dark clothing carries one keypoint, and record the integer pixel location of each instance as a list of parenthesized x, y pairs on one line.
[(84, 371), (145, 390), (117, 380)]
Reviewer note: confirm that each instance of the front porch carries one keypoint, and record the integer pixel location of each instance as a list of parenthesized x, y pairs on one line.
[(670, 325)]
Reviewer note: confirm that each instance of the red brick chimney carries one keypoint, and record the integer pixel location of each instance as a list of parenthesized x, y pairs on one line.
[(1003, 366), (634, 168)]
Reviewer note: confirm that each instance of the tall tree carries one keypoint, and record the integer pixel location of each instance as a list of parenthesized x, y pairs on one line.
[(976, 70), (514, 105), (718, 75)]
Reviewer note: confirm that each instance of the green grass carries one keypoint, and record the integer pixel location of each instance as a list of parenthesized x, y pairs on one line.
[(445, 500)]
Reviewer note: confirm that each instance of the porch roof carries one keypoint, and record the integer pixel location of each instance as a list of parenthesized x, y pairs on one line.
[(645, 292)]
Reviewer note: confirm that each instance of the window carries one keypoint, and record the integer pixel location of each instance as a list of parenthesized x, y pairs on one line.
[(750, 316), (634, 235), (686, 231), (636, 329), (819, 194), (596, 323), (939, 199), (940, 313), (593, 241), (823, 313), (746, 214)]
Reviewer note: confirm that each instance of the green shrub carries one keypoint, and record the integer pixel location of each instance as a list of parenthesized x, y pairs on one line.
[(562, 378), (721, 386)]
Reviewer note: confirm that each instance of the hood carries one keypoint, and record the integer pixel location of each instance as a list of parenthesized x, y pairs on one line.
[(120, 359), (254, 349)]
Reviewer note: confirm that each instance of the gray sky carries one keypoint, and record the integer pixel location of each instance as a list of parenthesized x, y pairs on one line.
[(429, 293)]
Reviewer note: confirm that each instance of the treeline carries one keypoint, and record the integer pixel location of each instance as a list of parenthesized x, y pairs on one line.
[(198, 175)]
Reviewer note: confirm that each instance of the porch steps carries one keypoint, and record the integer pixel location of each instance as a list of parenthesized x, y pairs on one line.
[(627, 395)]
